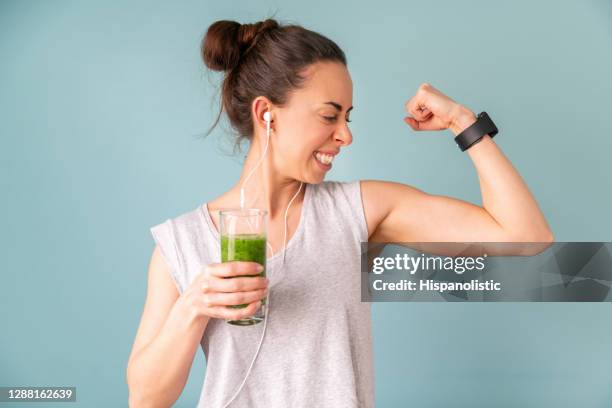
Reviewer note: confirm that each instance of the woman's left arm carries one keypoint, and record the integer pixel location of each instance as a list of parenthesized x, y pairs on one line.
[(400, 213)]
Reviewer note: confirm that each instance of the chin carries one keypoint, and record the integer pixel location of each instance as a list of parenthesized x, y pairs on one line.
[(313, 179), (318, 178)]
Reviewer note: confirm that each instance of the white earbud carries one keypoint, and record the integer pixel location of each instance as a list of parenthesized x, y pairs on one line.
[(268, 117)]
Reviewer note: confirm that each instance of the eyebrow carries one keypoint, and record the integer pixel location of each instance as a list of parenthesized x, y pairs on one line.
[(338, 106)]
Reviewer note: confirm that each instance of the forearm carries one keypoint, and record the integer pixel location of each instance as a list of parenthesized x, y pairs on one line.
[(505, 196), (158, 373)]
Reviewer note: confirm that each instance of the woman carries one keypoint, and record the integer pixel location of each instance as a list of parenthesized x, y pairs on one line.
[(318, 349)]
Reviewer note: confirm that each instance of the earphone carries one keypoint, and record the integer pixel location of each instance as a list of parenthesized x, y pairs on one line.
[(267, 118)]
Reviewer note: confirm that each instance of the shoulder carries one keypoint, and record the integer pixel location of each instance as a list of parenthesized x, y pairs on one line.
[(379, 198), (185, 221), (344, 199), (379, 193), (181, 240), (177, 232), (348, 189)]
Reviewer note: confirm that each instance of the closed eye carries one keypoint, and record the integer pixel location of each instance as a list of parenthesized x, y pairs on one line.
[(332, 119)]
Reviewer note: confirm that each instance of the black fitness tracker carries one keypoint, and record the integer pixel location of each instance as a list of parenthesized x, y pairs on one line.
[(476, 131)]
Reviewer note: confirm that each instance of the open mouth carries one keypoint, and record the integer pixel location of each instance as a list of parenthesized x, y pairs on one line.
[(324, 158)]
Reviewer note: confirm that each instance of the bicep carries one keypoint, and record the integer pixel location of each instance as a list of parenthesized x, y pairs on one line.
[(401, 213), (162, 293)]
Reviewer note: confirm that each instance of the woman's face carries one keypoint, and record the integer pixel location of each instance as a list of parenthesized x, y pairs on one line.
[(312, 127)]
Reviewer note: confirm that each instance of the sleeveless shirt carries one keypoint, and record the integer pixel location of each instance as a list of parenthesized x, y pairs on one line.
[(317, 350)]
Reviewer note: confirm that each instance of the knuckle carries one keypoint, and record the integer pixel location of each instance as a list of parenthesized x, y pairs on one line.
[(235, 315), (233, 267), (234, 285), (239, 298), (252, 268), (207, 301), (244, 268), (190, 301), (254, 296), (193, 310), (229, 267), (208, 270), (206, 286), (194, 313)]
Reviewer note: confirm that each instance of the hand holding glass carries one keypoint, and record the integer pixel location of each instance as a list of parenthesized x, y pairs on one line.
[(243, 238)]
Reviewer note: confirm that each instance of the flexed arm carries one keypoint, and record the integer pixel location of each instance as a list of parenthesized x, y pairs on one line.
[(509, 213)]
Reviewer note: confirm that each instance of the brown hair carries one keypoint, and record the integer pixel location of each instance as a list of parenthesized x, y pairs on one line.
[(261, 59)]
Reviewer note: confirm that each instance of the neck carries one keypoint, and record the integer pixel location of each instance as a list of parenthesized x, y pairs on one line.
[(266, 188)]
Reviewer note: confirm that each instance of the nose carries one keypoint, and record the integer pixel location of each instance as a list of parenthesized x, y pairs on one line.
[(343, 135)]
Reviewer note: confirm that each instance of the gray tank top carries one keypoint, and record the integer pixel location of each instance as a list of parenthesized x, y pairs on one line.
[(317, 350)]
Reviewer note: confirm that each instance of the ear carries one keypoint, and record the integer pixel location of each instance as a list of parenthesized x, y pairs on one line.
[(261, 105)]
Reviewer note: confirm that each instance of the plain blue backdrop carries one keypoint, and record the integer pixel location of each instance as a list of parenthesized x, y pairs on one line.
[(102, 111)]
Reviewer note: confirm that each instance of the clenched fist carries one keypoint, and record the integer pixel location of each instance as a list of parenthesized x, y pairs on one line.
[(430, 109)]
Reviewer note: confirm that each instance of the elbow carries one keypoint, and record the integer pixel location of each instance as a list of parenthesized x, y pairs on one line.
[(539, 236), (544, 241), (136, 397), (142, 393), (534, 242), (139, 399), (542, 235)]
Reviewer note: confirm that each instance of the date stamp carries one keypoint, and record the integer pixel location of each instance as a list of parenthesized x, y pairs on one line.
[(37, 394)]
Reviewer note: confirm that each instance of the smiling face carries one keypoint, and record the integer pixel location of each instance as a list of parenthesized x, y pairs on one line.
[(312, 127)]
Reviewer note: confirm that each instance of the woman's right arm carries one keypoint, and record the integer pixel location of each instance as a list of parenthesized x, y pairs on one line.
[(172, 325)]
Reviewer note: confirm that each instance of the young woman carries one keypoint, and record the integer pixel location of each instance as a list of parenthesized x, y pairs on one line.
[(318, 346)]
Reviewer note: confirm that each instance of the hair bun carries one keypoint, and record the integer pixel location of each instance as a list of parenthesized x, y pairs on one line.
[(226, 41)]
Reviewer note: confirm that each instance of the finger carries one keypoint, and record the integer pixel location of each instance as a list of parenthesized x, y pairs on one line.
[(222, 312), (415, 107), (243, 284), (236, 298), (418, 125), (234, 268), (412, 122), (430, 124), (421, 112), (425, 112)]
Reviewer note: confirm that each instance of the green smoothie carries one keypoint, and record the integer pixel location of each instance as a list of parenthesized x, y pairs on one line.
[(244, 247)]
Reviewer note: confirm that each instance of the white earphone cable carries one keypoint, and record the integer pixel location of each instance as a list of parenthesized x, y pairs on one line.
[(285, 232), (257, 165), (283, 264)]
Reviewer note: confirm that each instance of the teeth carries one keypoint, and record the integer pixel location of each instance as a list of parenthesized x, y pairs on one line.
[(324, 158)]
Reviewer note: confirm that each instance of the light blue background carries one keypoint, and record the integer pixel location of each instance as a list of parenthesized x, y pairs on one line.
[(102, 109)]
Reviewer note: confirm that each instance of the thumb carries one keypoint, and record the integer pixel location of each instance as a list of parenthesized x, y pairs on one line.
[(432, 123), (412, 122)]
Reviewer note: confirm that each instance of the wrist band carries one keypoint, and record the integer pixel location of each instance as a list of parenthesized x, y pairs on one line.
[(475, 132)]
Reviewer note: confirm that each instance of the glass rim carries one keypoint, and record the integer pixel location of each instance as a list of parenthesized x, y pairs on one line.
[(242, 212)]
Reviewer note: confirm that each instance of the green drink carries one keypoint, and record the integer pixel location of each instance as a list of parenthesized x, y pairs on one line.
[(245, 247), (243, 238)]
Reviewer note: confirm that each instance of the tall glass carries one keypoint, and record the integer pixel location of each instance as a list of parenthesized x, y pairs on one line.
[(243, 238)]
